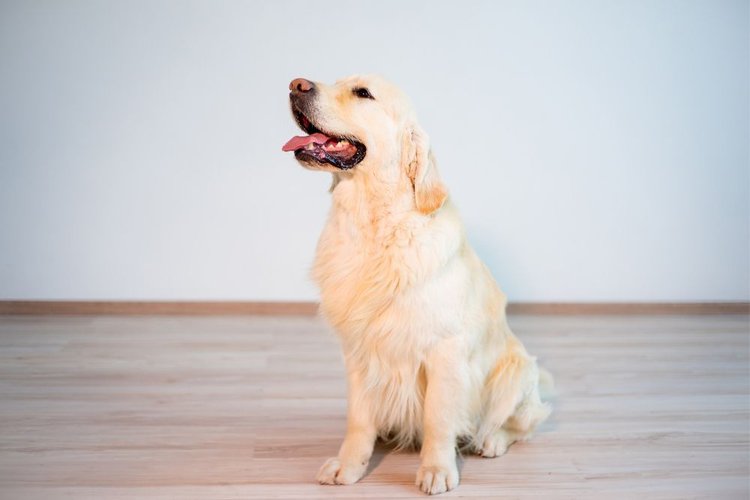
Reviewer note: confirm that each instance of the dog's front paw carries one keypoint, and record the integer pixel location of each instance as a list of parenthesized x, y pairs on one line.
[(434, 479), (336, 472)]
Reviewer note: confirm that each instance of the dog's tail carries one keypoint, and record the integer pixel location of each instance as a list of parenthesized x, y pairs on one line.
[(546, 384)]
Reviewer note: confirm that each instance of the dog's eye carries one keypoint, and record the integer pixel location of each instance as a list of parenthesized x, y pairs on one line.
[(363, 93)]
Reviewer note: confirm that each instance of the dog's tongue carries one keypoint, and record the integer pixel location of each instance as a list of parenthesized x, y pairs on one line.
[(300, 141)]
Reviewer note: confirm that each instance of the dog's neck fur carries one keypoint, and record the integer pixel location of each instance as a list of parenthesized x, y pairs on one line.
[(373, 197)]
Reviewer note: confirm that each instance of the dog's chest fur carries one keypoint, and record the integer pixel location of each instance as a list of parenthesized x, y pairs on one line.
[(374, 259)]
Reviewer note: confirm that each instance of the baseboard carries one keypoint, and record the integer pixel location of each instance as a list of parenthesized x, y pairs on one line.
[(629, 308), (177, 308), (213, 308)]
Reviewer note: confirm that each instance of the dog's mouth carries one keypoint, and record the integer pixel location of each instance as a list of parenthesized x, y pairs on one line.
[(322, 147)]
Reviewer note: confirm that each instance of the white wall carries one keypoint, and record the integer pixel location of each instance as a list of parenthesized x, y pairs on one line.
[(598, 149)]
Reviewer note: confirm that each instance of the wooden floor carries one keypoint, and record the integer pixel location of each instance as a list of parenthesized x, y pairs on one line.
[(249, 407)]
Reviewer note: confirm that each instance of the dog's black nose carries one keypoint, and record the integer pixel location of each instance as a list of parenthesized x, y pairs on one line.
[(301, 86)]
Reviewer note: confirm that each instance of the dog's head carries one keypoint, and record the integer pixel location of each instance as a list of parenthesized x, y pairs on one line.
[(367, 126)]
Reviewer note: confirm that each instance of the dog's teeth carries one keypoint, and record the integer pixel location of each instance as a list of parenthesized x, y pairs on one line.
[(310, 146)]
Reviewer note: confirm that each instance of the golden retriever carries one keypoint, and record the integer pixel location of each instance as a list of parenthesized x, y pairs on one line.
[(429, 356)]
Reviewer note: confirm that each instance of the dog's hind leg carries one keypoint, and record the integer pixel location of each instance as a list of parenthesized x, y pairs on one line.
[(519, 426), (513, 406)]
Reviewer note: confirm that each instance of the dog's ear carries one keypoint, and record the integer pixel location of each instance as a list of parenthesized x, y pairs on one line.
[(429, 191)]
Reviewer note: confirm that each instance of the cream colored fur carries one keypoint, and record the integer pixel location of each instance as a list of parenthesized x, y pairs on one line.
[(428, 352)]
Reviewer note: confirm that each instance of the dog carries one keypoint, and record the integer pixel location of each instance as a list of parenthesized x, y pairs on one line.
[(430, 359)]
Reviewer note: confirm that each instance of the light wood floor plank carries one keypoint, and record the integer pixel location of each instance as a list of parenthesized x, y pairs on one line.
[(237, 407)]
